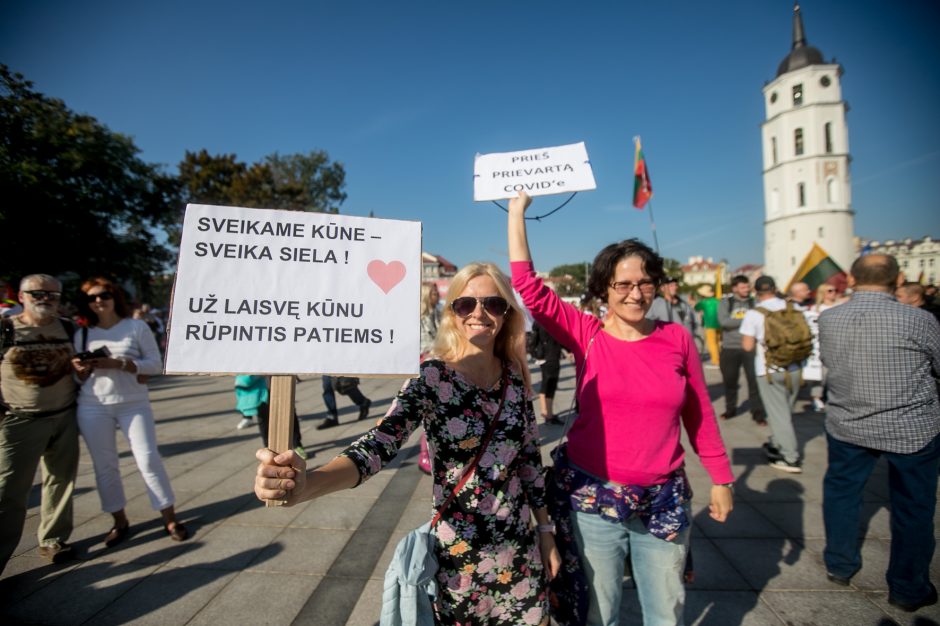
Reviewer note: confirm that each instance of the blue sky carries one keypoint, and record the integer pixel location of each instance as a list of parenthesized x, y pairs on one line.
[(405, 93)]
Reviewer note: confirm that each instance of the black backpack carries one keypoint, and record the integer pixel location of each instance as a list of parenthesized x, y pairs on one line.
[(8, 335)]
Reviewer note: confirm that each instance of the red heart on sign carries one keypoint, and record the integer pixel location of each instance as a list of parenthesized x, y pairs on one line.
[(386, 275)]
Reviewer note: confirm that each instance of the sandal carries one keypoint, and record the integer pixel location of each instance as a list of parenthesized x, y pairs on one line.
[(178, 533), (116, 535)]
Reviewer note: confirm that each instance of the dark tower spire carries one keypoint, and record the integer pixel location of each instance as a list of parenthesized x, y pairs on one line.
[(801, 54), (799, 36)]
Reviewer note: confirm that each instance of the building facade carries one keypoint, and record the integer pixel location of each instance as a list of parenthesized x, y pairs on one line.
[(807, 190), (919, 258), (699, 271)]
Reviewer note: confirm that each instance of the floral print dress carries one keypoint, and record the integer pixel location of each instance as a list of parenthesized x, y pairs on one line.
[(490, 563)]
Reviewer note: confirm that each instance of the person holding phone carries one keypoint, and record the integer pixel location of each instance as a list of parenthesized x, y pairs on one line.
[(118, 351)]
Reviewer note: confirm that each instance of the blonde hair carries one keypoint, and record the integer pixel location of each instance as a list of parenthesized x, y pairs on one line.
[(426, 306), (510, 343)]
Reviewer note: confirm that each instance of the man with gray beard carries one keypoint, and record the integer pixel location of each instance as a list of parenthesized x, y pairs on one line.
[(37, 419)]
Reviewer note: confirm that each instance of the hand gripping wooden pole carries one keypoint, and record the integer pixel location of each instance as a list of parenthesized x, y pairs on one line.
[(280, 423)]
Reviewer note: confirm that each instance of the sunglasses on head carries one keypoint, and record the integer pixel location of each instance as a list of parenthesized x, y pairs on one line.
[(464, 306), (104, 295)]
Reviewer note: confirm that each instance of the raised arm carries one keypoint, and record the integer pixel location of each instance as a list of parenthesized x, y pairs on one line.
[(518, 241)]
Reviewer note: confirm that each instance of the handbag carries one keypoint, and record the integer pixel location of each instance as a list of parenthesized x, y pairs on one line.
[(415, 552), (568, 592), (344, 385)]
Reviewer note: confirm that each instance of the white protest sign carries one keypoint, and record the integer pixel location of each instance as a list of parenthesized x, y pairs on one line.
[(812, 369), (285, 292), (539, 172)]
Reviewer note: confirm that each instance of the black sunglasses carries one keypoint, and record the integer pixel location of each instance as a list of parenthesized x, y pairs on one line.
[(104, 295), (464, 306), (44, 294)]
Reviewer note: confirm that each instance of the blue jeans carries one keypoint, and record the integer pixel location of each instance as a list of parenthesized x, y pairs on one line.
[(657, 569), (912, 480)]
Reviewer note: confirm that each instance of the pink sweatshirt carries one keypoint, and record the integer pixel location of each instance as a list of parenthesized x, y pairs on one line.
[(632, 396)]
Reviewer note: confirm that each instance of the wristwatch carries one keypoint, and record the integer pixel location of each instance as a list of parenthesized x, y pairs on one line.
[(728, 485)]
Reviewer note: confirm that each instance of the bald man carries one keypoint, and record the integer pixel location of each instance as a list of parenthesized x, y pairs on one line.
[(883, 357), (915, 295)]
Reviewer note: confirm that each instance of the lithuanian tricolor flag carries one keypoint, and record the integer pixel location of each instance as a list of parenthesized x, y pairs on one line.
[(818, 268), (642, 188)]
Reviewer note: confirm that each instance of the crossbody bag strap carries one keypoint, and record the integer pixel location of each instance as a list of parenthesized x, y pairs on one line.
[(577, 387), (476, 459)]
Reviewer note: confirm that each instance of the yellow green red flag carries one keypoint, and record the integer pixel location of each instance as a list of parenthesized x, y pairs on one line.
[(642, 187), (817, 268)]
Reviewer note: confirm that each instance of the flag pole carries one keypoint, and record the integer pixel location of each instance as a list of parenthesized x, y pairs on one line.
[(642, 189), (649, 204)]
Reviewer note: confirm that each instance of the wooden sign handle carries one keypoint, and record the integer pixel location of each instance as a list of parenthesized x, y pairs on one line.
[(280, 423)]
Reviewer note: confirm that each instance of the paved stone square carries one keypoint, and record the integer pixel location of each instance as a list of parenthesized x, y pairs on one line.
[(323, 562)]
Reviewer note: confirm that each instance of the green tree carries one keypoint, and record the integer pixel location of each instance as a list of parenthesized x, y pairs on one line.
[(296, 182), (77, 199), (578, 273), (673, 269)]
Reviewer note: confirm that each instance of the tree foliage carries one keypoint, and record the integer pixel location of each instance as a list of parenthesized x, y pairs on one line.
[(77, 198), (578, 273), (78, 201), (296, 182)]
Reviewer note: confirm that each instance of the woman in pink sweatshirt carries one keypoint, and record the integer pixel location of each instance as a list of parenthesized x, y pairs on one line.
[(623, 466)]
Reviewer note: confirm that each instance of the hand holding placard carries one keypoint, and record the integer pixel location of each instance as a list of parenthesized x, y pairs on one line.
[(539, 172)]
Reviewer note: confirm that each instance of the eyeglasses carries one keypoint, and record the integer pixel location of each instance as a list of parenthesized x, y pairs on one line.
[(464, 306), (42, 294), (625, 287), (104, 295)]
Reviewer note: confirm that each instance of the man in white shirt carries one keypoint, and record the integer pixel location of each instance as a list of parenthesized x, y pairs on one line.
[(777, 387)]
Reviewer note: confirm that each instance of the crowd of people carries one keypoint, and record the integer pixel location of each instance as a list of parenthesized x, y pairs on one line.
[(515, 543)]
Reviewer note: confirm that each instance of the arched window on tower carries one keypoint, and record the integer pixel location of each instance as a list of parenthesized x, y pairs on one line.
[(797, 95), (798, 141), (827, 131), (820, 232), (800, 194), (773, 150), (832, 190)]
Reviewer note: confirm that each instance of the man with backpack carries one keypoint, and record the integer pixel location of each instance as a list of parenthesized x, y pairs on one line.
[(778, 331), (37, 419)]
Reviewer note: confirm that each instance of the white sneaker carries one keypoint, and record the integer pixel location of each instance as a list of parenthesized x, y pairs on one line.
[(791, 468), (245, 423), (818, 405)]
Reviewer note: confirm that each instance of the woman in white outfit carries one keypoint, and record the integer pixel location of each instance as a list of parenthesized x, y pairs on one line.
[(113, 396)]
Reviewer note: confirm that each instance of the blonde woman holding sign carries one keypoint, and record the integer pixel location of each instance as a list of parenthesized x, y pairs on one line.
[(472, 397)]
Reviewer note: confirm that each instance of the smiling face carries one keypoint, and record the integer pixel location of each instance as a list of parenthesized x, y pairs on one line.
[(632, 306), (481, 328)]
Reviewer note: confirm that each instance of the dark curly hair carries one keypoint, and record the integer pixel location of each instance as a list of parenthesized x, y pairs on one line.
[(605, 264)]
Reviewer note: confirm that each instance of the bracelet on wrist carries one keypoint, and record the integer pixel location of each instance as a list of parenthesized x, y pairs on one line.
[(728, 485), (546, 528)]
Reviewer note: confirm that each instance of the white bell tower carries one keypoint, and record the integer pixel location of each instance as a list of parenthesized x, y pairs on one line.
[(807, 191)]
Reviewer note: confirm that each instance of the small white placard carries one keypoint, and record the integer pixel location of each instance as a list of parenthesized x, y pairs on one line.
[(286, 292), (812, 369), (539, 172)]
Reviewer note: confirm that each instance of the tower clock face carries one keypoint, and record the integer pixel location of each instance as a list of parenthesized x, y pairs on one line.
[(825, 81)]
